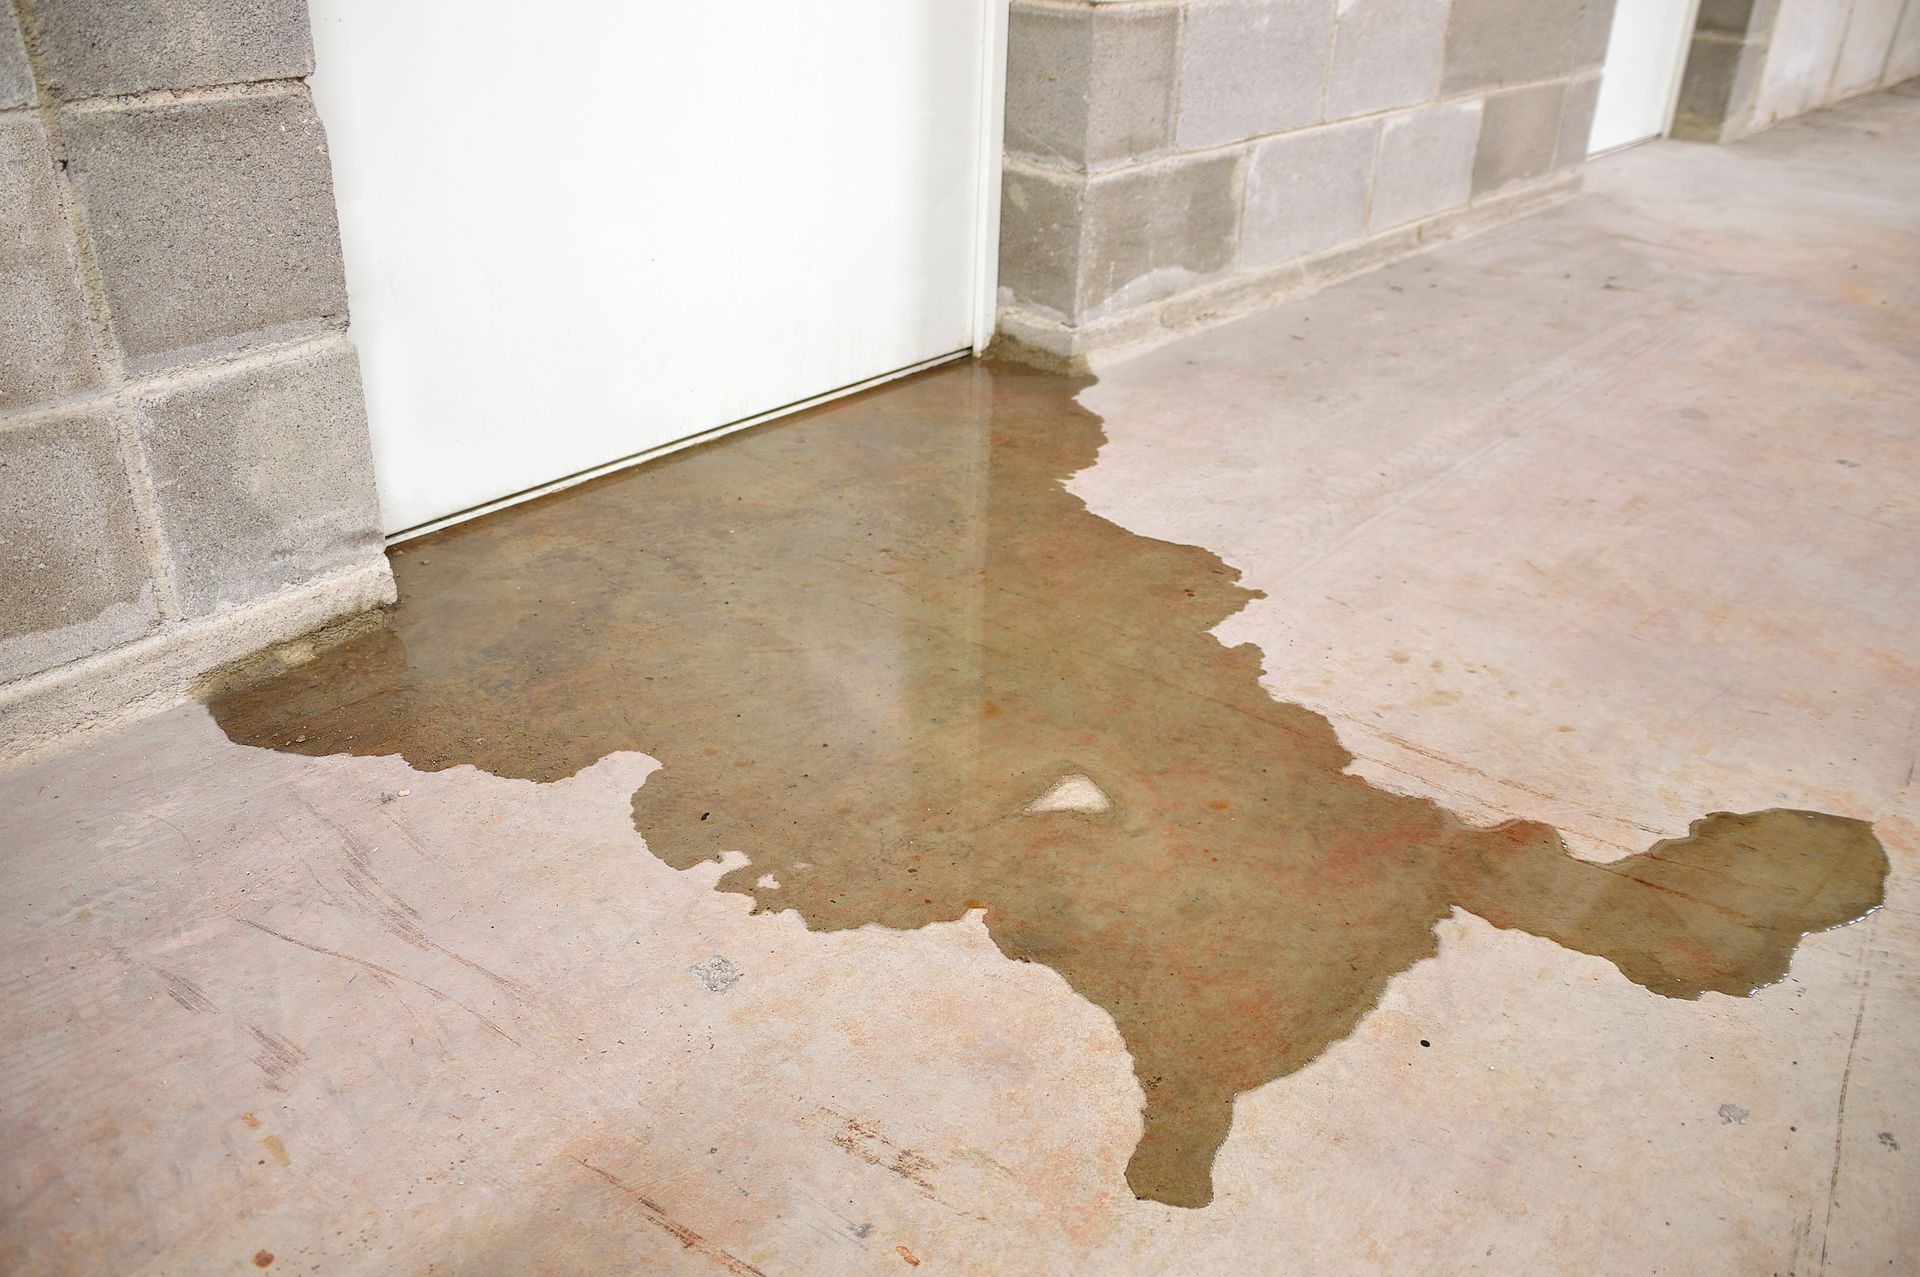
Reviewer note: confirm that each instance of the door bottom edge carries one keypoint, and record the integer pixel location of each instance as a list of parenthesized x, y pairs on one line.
[(578, 477)]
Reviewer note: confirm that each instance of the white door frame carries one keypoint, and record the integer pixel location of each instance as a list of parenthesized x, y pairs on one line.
[(993, 116)]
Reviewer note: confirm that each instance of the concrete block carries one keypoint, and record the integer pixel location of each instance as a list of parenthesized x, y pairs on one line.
[(98, 47), (1130, 93), (1047, 60), (45, 344), (1590, 37), (54, 709), (73, 571), (1087, 87), (1495, 42), (1040, 239), (1518, 136), (1737, 17), (16, 77), (1426, 163), (1717, 89), (264, 476), (1307, 192), (1864, 52), (210, 220), (1802, 55), (1903, 61), (1155, 231), (1576, 121), (1386, 53), (1251, 67)]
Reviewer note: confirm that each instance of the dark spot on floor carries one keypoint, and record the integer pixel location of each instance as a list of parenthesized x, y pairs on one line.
[(1238, 904)]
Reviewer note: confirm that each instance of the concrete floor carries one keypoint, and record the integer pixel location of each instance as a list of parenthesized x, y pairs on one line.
[(1605, 520)]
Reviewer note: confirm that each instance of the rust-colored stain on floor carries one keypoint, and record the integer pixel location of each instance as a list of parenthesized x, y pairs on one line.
[(881, 650)]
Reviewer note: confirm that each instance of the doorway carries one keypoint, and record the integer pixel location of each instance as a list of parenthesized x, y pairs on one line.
[(1640, 82), (579, 238)]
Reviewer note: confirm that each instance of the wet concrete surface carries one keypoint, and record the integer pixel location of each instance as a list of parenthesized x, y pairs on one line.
[(1240, 901), (1600, 523)]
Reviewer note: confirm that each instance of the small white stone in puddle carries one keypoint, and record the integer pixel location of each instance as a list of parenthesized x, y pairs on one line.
[(768, 883), (1733, 1115), (1071, 793), (716, 973)]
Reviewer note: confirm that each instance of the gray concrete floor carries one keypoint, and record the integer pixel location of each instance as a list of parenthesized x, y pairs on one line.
[(1607, 519)]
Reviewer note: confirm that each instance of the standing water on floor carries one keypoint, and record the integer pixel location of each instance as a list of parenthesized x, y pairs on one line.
[(882, 651)]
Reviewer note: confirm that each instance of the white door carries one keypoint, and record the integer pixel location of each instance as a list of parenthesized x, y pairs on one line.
[(586, 230), (1646, 56)]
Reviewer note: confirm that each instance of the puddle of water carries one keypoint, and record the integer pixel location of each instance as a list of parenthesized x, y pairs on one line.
[(882, 651)]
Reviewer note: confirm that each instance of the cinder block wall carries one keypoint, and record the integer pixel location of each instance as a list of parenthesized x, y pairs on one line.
[(1168, 164), (185, 473), (1757, 62)]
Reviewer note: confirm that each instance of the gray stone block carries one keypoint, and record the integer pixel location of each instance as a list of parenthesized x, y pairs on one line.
[(1871, 29), (1426, 163), (211, 221), (1519, 134), (46, 347), (1152, 232), (1576, 121), (1903, 60), (1386, 53), (73, 572), (1130, 95), (1737, 17), (16, 77), (1495, 42), (1590, 38), (98, 47), (1040, 239), (1047, 59), (1718, 88), (1251, 67), (1307, 192), (1089, 86), (263, 476)]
